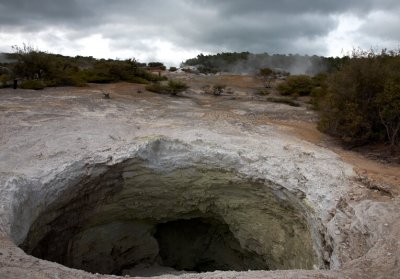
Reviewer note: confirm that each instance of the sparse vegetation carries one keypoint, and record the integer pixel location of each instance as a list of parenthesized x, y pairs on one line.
[(358, 97)]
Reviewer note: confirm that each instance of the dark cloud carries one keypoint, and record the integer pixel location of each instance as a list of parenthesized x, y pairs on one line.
[(285, 26)]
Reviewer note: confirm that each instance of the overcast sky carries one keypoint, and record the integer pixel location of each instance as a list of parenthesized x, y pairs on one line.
[(174, 30)]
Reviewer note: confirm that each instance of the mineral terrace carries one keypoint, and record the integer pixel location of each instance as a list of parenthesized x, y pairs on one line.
[(194, 186)]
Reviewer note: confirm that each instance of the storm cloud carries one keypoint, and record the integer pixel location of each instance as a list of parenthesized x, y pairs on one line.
[(174, 30)]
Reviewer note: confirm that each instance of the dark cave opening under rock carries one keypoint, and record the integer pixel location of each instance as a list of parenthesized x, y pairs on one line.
[(201, 245), (132, 217)]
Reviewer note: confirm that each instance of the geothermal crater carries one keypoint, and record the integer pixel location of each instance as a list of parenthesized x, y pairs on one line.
[(193, 187), (194, 219)]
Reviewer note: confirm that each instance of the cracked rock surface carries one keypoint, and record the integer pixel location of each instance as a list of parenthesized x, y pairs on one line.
[(74, 167)]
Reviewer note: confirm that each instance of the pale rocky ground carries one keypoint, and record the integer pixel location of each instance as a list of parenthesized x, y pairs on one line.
[(51, 140)]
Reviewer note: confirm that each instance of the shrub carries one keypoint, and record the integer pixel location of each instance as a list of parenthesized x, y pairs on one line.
[(176, 87), (157, 88), (263, 91), (173, 69), (173, 87), (218, 89), (300, 85), (4, 80), (284, 100), (362, 101), (32, 84), (138, 80), (266, 72), (155, 64)]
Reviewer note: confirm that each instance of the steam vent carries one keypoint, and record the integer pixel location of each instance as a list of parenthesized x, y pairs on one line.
[(147, 185)]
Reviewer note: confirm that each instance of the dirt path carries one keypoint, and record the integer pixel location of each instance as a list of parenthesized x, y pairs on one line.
[(375, 171)]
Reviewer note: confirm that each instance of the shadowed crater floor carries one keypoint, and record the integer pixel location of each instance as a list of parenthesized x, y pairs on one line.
[(130, 218)]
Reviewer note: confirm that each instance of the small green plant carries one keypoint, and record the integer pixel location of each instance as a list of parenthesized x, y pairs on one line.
[(173, 69), (4, 80), (32, 84), (218, 89), (263, 91)]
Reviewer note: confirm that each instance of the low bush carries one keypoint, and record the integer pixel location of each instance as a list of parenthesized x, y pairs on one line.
[(176, 87), (139, 80), (32, 84), (218, 89), (300, 85), (263, 91), (5, 80), (173, 87), (157, 88), (284, 100)]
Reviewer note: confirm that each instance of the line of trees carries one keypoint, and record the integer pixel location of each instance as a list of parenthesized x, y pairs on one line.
[(239, 62), (361, 102)]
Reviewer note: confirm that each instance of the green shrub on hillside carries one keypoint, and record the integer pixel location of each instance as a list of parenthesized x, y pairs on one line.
[(173, 87), (176, 87), (218, 89), (300, 85), (157, 88), (362, 101), (5, 80), (58, 70), (32, 84)]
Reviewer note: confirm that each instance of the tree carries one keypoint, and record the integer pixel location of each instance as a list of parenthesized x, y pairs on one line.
[(362, 100), (388, 105), (31, 63), (268, 75)]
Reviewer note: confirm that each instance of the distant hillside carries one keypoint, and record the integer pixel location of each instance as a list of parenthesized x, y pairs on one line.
[(245, 62)]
